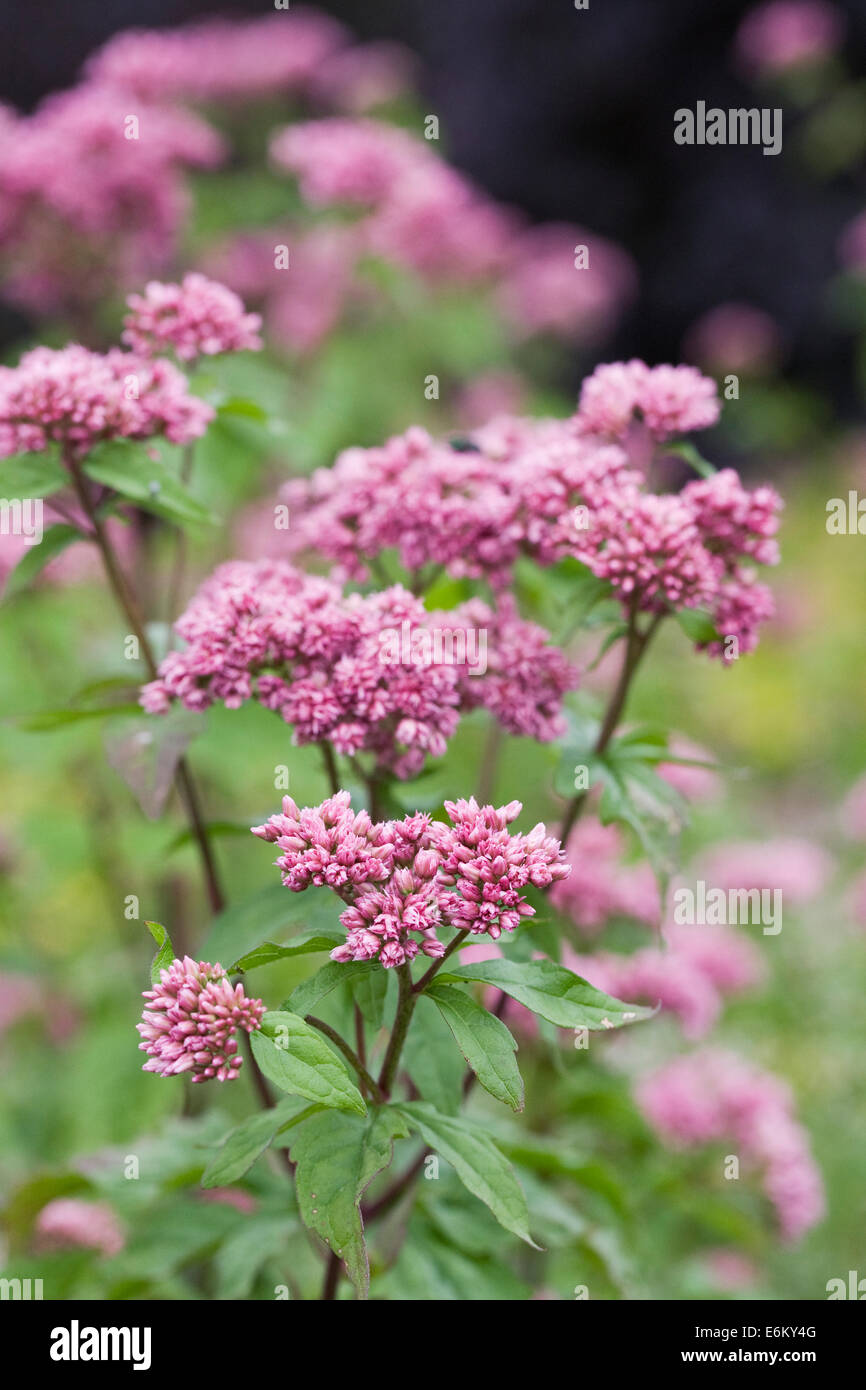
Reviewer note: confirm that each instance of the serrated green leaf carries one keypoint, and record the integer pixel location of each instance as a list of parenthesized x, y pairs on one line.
[(476, 1160), (337, 1157), (484, 1041), (553, 992), (296, 1057), (307, 943), (431, 1059), (249, 1139)]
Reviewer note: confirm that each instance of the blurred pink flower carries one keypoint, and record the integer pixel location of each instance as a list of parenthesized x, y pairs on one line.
[(357, 79), (730, 1269), (544, 291), (243, 1202), (734, 338), (711, 1096), (220, 59), (853, 811), (492, 394), (788, 33), (852, 245), (92, 195), (797, 868), (68, 1221), (601, 886), (694, 783)]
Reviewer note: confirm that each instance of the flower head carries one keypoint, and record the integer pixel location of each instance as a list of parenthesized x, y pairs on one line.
[(79, 398), (489, 868), (669, 400), (402, 880), (197, 318), (191, 1019)]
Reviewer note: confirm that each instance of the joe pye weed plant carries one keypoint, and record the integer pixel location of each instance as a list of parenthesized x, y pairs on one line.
[(443, 922)]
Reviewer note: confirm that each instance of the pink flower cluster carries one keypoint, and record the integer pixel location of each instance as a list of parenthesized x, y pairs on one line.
[(89, 200), (301, 308), (556, 488), (712, 1096), (544, 290), (70, 1222), (600, 886), (191, 1020), (472, 512), (689, 977), (797, 868), (735, 338), (668, 400), (402, 880), (322, 660), (419, 212), (784, 34), (219, 60), (197, 318), (686, 550), (79, 398)]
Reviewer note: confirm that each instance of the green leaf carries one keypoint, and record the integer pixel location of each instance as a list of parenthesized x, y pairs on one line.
[(307, 943), (242, 1254), (49, 719), (477, 1162), (697, 625), (32, 475), (250, 1139), (129, 470), (308, 993), (239, 405), (484, 1041), (214, 829), (54, 541), (164, 951), (432, 1060), (634, 793), (264, 915), (369, 992), (337, 1157), (431, 1269), (553, 992), (295, 1057)]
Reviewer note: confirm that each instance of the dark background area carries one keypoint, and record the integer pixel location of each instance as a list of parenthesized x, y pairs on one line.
[(569, 114)]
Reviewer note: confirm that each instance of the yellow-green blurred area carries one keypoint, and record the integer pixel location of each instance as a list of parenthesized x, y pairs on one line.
[(83, 869)]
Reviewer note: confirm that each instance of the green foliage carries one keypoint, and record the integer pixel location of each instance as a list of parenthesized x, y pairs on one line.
[(164, 951), (484, 1041), (337, 1158), (476, 1160), (297, 1058), (553, 992)]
